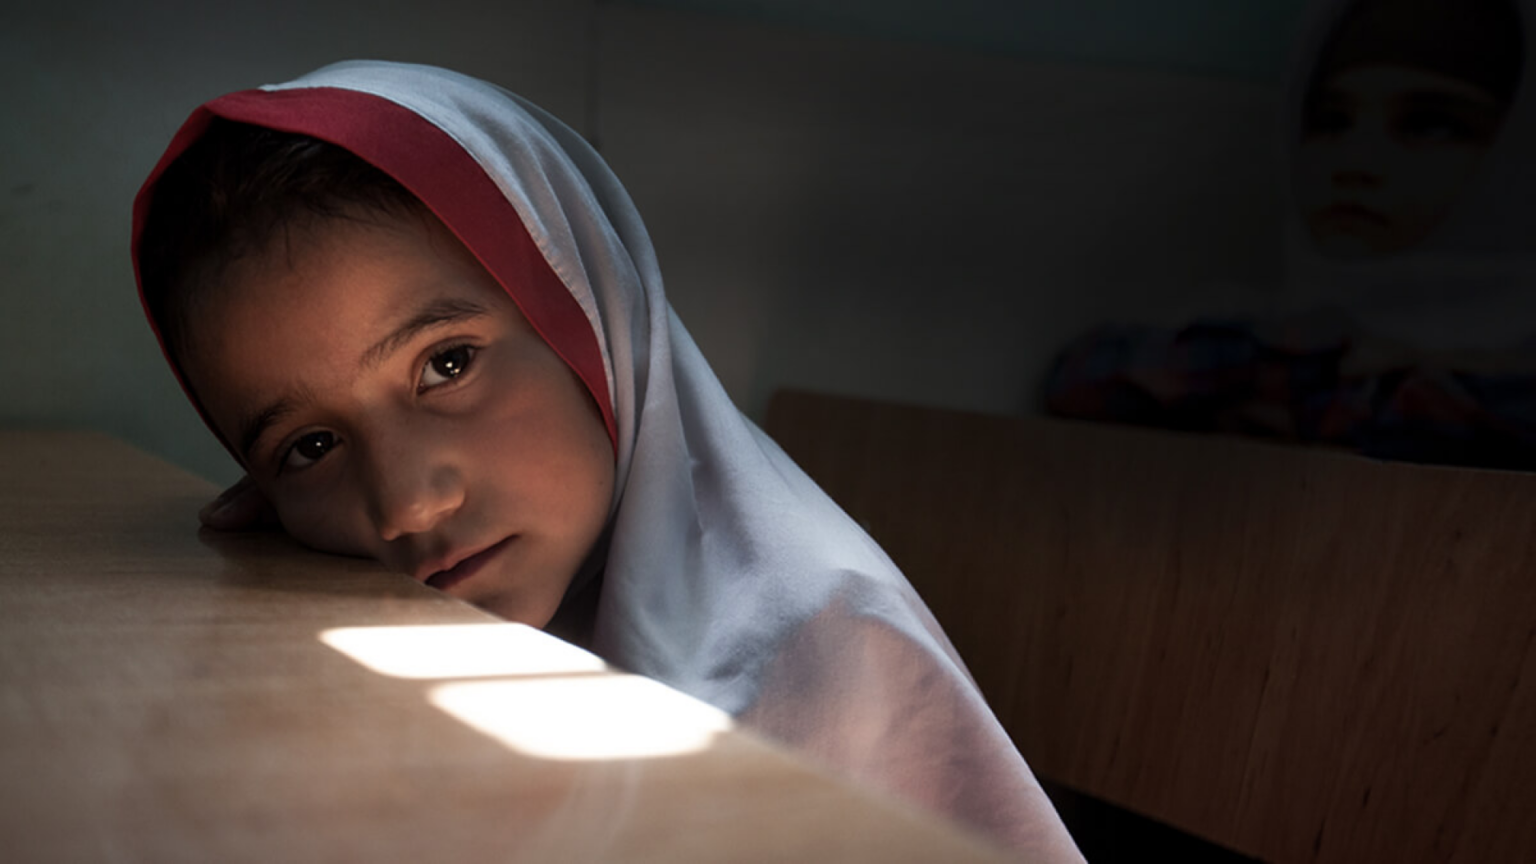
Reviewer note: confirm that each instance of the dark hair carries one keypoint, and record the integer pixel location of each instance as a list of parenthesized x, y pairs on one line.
[(231, 195)]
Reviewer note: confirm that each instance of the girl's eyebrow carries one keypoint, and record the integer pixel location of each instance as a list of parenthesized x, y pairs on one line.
[(436, 312), (1459, 97)]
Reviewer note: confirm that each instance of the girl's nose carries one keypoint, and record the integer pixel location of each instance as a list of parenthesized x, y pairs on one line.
[(1356, 179), (1361, 156), (412, 493)]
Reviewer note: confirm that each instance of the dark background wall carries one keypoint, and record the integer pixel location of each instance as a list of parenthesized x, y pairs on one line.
[(909, 200)]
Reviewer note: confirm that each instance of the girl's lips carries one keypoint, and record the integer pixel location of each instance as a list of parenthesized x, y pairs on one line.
[(442, 580), (1345, 212)]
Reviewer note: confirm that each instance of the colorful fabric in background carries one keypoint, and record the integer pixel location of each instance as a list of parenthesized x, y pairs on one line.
[(1317, 379)]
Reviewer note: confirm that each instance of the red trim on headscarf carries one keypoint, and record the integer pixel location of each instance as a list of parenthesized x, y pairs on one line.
[(433, 167)]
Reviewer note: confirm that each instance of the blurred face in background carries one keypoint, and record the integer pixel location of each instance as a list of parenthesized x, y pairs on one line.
[(1403, 103), (1385, 152)]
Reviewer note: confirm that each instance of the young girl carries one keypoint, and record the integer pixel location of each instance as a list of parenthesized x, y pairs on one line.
[(1403, 328), (427, 320)]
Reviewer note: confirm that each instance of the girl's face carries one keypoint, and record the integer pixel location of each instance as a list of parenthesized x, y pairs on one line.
[(391, 401), (1385, 151)]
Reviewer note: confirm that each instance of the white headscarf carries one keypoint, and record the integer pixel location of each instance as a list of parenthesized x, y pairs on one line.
[(729, 574), (1471, 284)]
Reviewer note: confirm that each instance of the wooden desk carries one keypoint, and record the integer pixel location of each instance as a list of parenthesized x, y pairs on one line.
[(167, 696)]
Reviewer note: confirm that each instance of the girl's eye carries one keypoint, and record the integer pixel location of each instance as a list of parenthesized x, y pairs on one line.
[(445, 366), (1434, 127), (309, 449)]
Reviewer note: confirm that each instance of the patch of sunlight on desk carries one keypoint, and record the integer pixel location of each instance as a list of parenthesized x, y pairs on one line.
[(586, 717), (550, 699), (460, 651)]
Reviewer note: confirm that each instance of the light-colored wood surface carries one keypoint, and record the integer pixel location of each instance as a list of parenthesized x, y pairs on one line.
[(1303, 656), (166, 696)]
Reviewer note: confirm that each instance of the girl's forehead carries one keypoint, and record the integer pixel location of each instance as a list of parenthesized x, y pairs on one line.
[(332, 305), (367, 264), (1388, 80)]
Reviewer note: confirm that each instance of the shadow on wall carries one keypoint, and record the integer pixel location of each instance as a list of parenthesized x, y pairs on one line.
[(1203, 37), (922, 223)]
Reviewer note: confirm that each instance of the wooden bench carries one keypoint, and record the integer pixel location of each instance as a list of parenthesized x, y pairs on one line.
[(1300, 655)]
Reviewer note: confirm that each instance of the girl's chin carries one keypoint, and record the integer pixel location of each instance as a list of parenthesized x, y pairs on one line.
[(1345, 243)]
